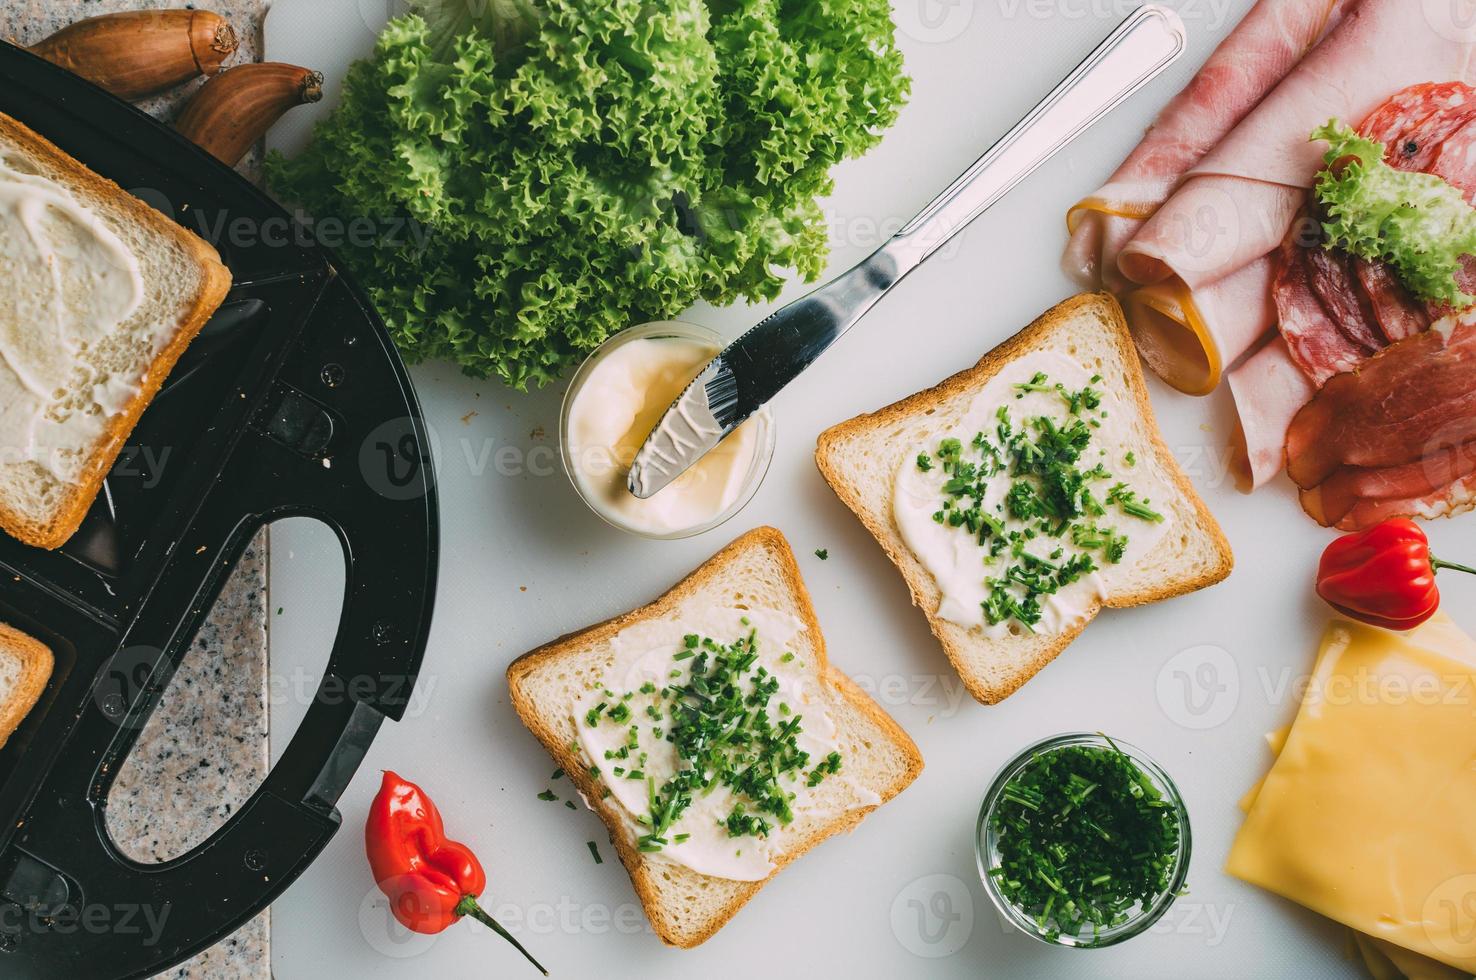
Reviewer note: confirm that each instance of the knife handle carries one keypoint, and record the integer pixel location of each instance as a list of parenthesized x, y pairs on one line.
[(1147, 42)]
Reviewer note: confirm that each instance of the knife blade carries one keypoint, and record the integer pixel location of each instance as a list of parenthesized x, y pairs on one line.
[(746, 374)]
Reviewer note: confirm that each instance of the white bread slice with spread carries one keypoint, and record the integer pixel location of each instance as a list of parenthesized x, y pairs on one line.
[(25, 667), (755, 576), (867, 462), (100, 294)]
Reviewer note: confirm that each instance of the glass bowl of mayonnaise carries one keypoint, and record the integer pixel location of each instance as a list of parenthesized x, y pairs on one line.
[(614, 401)]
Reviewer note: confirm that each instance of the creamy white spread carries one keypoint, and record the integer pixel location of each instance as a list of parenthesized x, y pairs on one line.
[(960, 564), (646, 655), (70, 282), (617, 406)]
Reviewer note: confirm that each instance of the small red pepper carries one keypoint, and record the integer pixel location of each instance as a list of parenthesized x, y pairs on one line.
[(1384, 576), (431, 882)]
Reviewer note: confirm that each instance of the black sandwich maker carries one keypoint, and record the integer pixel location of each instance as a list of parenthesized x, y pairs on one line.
[(292, 402)]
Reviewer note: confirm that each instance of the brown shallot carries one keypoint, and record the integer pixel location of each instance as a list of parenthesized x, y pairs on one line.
[(233, 110), (141, 52)]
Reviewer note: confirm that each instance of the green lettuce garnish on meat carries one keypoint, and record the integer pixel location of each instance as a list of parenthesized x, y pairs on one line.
[(1419, 223), (540, 174)]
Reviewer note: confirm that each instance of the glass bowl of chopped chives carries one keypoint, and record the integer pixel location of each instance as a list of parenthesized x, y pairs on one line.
[(1083, 841)]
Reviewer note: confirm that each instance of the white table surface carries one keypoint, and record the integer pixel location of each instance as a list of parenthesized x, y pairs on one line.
[(1195, 681)]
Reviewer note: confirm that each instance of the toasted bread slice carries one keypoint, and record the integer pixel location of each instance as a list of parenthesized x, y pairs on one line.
[(111, 378), (757, 571), (860, 459), (25, 667)]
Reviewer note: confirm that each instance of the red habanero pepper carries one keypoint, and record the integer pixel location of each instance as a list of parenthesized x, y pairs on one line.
[(431, 882), (1384, 576)]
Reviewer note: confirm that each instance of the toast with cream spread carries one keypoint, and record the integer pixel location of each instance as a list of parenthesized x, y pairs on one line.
[(712, 735), (99, 296), (25, 667), (1021, 496)]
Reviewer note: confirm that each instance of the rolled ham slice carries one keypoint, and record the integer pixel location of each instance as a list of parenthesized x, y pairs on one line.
[(1269, 389), (1257, 54), (1238, 203), (1180, 331)]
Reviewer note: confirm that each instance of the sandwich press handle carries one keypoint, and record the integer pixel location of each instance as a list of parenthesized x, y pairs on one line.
[(389, 535)]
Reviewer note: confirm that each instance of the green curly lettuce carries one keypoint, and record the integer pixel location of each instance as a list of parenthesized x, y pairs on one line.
[(1417, 222), (570, 168)]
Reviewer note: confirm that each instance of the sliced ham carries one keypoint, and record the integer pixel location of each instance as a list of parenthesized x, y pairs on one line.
[(1180, 331), (1238, 202), (1257, 54), (1269, 389)]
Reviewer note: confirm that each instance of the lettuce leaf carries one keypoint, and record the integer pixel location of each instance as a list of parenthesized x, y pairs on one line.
[(1417, 222), (568, 168)]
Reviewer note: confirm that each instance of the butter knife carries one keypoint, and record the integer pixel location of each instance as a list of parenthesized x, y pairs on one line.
[(755, 367)]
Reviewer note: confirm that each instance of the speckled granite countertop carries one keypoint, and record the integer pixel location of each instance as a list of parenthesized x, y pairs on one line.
[(205, 749)]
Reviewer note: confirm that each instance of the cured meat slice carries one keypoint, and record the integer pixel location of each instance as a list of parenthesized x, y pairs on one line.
[(1399, 314), (1420, 126), (1312, 336), (1338, 288), (1416, 398), (1340, 494), (1416, 123), (1266, 44), (1446, 502), (1268, 390), (1456, 158)]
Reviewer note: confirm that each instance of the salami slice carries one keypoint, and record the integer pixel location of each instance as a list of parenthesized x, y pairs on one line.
[(1399, 314), (1335, 284), (1427, 128), (1456, 159), (1312, 336), (1416, 123)]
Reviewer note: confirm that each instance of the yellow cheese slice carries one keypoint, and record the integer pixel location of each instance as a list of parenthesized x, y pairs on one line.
[(1410, 966), (1368, 815)]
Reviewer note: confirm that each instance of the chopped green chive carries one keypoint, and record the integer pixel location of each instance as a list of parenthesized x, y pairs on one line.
[(1085, 838)]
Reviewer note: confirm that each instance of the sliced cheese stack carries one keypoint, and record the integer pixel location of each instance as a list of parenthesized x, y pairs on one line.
[(1366, 815)]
